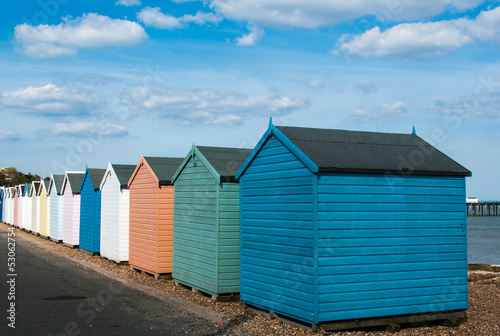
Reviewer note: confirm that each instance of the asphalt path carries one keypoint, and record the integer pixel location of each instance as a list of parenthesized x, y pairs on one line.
[(54, 296)]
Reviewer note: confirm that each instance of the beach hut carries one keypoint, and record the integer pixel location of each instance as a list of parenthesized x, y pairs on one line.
[(44, 197), (151, 214), (26, 207), (11, 205), (20, 191), (35, 206), (71, 208), (17, 208), (115, 212), (1, 204), (206, 220), (56, 207), (90, 210), (345, 229)]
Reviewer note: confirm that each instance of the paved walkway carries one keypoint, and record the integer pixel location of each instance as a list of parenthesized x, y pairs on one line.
[(55, 296)]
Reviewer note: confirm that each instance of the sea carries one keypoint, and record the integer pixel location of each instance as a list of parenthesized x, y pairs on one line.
[(483, 238)]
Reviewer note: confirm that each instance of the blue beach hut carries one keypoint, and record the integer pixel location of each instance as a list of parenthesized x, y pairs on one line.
[(90, 210), (343, 229)]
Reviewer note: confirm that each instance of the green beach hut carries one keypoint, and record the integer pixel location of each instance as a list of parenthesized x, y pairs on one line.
[(206, 242)]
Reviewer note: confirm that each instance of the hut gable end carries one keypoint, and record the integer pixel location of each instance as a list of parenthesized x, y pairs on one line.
[(276, 212)]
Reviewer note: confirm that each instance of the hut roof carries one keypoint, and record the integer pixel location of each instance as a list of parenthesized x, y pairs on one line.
[(96, 176), (226, 161), (75, 180), (163, 167), (123, 173), (354, 151), (58, 182)]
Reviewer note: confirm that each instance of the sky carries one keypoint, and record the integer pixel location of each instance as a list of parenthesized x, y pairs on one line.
[(89, 82)]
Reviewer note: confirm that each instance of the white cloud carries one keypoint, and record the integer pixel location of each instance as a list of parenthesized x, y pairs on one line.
[(365, 86), (9, 136), (486, 26), (89, 31), (317, 13), (128, 3), (486, 105), (84, 128), (153, 17), (315, 83), (382, 112), (191, 106), (251, 38), (50, 100), (407, 40), (422, 40)]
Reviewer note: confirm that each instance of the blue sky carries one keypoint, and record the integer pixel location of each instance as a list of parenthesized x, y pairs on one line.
[(87, 82)]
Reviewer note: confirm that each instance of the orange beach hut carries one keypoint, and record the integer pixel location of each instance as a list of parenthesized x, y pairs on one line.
[(152, 214)]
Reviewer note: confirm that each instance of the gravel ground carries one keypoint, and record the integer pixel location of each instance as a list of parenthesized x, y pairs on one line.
[(483, 317)]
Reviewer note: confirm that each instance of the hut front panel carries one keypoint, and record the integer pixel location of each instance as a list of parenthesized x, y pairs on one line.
[(56, 209), (68, 215), (277, 236), (143, 248), (390, 245), (165, 228), (44, 212), (114, 220), (17, 207), (195, 227), (35, 214), (90, 217), (27, 208), (11, 211), (229, 239), (71, 226)]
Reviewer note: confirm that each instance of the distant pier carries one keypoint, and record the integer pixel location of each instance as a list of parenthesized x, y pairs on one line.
[(483, 209)]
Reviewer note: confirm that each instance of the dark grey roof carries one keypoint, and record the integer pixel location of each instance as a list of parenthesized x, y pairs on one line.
[(58, 182), (164, 167), (46, 183), (353, 151), (123, 173), (75, 180), (36, 185), (226, 161), (96, 176)]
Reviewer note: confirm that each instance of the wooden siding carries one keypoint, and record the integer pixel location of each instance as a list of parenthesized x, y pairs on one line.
[(165, 228), (71, 226), (277, 236), (17, 208), (143, 238), (44, 214), (90, 217), (195, 227), (390, 245), (114, 220), (27, 209), (56, 211), (229, 239), (35, 213)]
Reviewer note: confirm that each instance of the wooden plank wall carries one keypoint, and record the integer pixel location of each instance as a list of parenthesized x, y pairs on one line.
[(90, 217), (229, 239), (390, 245), (44, 213), (110, 219), (56, 211), (195, 227), (277, 236), (143, 239)]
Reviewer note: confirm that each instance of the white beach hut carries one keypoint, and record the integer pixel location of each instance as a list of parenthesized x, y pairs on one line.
[(27, 207), (35, 207), (115, 200), (71, 219), (56, 207)]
